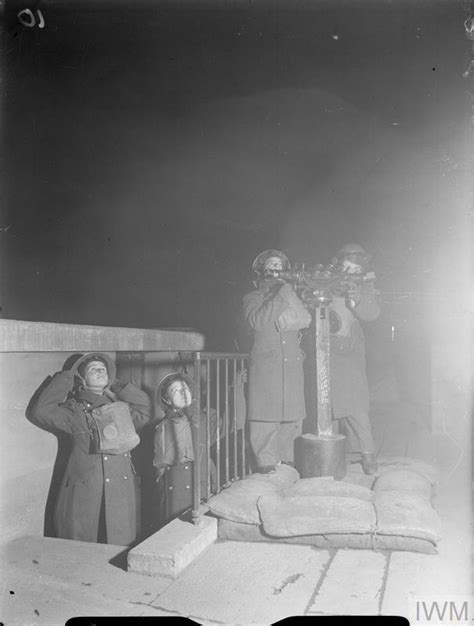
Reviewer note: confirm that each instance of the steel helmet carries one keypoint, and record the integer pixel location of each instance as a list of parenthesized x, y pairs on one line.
[(261, 258), (353, 248), (165, 382), (79, 366)]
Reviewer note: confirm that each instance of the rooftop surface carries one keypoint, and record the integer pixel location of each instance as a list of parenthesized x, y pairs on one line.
[(48, 581)]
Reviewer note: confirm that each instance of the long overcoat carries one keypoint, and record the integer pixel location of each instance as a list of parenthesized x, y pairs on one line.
[(173, 454), (349, 389), (90, 477), (276, 392)]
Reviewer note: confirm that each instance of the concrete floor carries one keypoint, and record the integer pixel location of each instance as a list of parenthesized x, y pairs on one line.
[(47, 581)]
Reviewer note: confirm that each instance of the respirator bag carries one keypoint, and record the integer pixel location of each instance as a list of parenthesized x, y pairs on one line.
[(115, 432)]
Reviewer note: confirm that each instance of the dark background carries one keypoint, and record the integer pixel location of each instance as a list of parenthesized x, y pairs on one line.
[(152, 149)]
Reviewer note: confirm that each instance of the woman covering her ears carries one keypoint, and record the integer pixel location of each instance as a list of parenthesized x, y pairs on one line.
[(97, 499)]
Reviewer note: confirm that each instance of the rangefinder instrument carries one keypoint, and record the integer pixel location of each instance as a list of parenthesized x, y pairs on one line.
[(318, 284)]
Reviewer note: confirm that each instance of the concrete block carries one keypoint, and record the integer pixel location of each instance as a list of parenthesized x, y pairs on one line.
[(171, 549)]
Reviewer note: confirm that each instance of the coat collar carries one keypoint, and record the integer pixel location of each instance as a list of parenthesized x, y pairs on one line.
[(94, 399), (177, 414)]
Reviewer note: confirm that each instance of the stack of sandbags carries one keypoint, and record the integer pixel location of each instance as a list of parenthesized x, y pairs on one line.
[(396, 514), (297, 513)]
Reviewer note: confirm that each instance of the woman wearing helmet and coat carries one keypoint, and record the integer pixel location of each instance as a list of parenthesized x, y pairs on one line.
[(276, 395), (173, 454), (97, 498), (349, 389)]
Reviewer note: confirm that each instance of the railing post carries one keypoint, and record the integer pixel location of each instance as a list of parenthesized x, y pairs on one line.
[(234, 420), (244, 424), (196, 440), (218, 435), (208, 435), (227, 429)]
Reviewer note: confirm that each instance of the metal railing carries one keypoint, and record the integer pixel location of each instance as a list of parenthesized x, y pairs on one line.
[(220, 452)]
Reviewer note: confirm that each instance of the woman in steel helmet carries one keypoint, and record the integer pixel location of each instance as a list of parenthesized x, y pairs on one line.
[(275, 315), (269, 261), (174, 450), (349, 388), (98, 495)]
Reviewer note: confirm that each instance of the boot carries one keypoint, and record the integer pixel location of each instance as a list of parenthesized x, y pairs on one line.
[(369, 464)]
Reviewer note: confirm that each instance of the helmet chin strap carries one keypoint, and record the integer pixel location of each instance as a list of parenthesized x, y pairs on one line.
[(83, 382)]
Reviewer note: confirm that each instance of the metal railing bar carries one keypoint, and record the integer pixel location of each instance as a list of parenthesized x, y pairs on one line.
[(208, 439), (236, 471), (218, 404), (227, 473), (196, 441)]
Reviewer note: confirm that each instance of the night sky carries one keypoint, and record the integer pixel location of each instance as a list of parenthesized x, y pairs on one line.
[(151, 150)]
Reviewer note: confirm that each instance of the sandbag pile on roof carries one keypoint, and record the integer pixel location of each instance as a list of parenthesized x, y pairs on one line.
[(396, 514)]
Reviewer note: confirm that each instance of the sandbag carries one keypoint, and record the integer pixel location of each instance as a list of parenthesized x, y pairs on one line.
[(234, 531), (238, 502), (403, 480), (327, 486), (355, 476), (284, 476), (406, 514), (279, 507), (305, 515), (416, 465)]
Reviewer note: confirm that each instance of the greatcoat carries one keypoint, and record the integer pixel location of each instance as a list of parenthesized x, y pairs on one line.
[(349, 389), (92, 480), (276, 391), (173, 459)]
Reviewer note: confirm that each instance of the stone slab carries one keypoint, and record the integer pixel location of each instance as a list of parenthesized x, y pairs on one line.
[(24, 336), (49, 601), (352, 585), (246, 583), (448, 573), (171, 549), (48, 581), (413, 576)]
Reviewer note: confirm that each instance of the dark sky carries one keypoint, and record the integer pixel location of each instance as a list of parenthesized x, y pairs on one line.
[(152, 149)]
